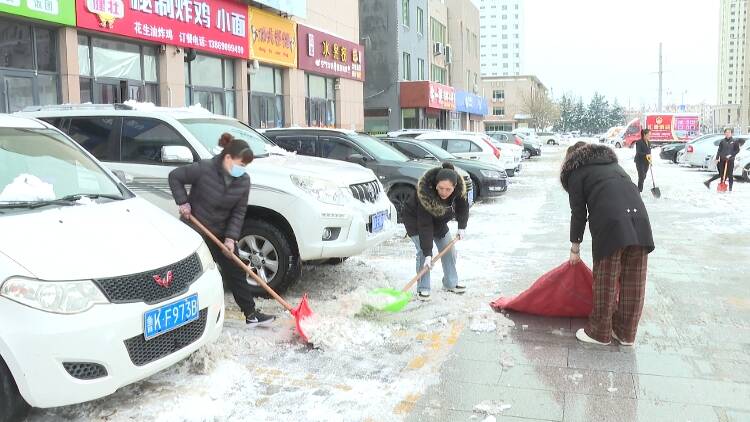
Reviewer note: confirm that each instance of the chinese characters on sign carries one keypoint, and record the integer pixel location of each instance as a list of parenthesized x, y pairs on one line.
[(218, 26), (442, 97), (326, 54), (273, 39), (470, 103), (660, 126)]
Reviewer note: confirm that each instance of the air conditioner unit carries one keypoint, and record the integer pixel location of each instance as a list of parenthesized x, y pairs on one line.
[(437, 49), (448, 54)]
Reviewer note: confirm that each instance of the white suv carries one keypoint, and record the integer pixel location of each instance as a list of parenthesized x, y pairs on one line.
[(98, 288), (300, 208)]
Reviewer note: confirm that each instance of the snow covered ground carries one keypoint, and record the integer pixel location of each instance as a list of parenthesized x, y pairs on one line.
[(371, 366)]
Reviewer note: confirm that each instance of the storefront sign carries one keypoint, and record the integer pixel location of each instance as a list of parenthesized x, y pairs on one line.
[(426, 94), (273, 39), (467, 102), (686, 127), (325, 54), (291, 7), (59, 11), (217, 26)]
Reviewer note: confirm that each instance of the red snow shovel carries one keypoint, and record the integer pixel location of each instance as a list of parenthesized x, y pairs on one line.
[(301, 312), (723, 184)]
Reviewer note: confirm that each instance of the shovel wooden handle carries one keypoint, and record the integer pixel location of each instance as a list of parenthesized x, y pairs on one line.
[(241, 264), (433, 262)]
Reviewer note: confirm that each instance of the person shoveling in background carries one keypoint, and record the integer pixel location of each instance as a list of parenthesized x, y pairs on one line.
[(728, 149), (601, 192), (441, 196), (643, 156), (218, 197)]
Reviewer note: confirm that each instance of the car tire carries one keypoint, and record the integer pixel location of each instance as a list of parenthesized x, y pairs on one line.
[(263, 244), (746, 173), (674, 159), (551, 142), (13, 407), (526, 154), (510, 173), (399, 196), (477, 188)]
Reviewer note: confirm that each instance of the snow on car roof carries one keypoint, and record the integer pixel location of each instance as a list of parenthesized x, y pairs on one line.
[(7, 120)]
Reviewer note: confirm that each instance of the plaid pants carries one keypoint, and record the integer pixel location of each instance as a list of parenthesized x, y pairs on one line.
[(623, 271)]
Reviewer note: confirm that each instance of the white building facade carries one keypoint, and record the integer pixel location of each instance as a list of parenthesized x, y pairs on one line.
[(501, 40)]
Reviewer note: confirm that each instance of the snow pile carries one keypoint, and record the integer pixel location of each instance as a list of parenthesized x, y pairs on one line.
[(27, 187), (482, 325), (341, 332), (491, 407)]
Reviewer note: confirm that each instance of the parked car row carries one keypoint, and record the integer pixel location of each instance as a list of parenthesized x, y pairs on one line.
[(700, 152)]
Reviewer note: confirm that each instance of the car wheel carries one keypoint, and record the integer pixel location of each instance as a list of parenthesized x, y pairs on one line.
[(476, 186), (551, 142), (12, 406), (526, 154), (400, 195), (746, 173), (674, 159), (510, 173), (266, 249)]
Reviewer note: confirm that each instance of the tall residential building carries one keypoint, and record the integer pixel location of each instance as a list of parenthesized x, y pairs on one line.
[(502, 40), (732, 89)]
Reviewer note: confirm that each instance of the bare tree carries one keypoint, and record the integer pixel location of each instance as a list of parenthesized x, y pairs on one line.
[(543, 112)]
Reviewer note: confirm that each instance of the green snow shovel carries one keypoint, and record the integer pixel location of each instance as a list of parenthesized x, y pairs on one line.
[(391, 300)]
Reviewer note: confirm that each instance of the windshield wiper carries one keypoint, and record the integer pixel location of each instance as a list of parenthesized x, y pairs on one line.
[(37, 204), (77, 196)]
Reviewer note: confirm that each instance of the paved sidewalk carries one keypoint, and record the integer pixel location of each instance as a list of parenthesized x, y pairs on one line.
[(692, 358)]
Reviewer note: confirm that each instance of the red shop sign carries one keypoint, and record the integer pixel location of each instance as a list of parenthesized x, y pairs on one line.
[(217, 26), (326, 54), (426, 94)]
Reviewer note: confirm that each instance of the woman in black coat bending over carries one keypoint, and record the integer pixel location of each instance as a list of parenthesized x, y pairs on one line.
[(603, 194), (643, 156), (218, 198), (441, 197)]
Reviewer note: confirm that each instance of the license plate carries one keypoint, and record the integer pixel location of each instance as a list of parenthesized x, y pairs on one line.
[(471, 197), (169, 317), (377, 221)]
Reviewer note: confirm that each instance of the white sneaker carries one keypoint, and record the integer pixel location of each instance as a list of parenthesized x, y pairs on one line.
[(624, 343), (423, 295), (582, 336)]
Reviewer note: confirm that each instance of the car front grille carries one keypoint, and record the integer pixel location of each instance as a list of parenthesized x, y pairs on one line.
[(366, 192), (144, 351), (85, 370), (143, 287)]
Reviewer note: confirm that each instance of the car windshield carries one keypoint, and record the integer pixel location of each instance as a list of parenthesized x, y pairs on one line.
[(208, 131), (438, 152), (378, 148), (42, 166)]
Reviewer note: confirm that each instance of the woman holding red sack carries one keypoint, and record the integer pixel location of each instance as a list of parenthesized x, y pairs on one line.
[(603, 194)]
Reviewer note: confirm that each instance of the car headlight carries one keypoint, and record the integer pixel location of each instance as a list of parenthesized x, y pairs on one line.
[(490, 174), (60, 297), (323, 190), (204, 255)]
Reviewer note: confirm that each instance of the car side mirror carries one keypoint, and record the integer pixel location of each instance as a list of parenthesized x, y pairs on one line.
[(176, 154), (122, 176), (357, 158)]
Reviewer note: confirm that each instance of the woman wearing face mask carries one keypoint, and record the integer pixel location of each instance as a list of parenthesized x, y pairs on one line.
[(441, 197), (218, 198)]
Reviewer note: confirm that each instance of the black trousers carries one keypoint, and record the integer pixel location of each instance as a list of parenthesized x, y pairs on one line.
[(234, 277), (730, 170), (642, 172)]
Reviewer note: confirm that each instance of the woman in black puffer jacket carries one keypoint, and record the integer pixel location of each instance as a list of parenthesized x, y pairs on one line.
[(441, 197), (603, 194), (218, 198)]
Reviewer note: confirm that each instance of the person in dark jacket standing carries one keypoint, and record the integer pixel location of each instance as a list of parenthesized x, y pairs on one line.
[(643, 156), (441, 197), (601, 192), (728, 149), (218, 198)]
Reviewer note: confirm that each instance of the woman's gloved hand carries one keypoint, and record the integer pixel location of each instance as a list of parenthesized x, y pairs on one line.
[(427, 262)]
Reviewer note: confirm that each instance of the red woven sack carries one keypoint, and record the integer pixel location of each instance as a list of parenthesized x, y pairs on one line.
[(563, 292)]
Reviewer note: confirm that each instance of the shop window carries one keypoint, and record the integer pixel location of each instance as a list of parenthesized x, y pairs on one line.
[(320, 104), (114, 71), (266, 98), (28, 66), (143, 140), (210, 83), (410, 118)]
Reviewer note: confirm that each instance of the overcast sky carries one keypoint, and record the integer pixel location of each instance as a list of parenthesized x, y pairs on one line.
[(582, 46)]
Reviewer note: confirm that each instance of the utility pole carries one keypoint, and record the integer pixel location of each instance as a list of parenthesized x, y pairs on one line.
[(660, 77)]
